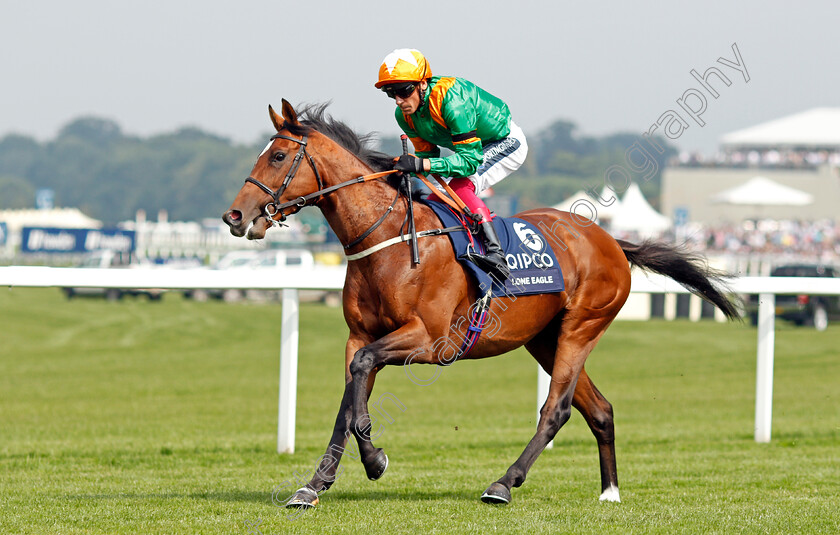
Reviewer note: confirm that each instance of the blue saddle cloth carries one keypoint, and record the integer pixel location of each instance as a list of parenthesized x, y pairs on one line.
[(533, 266)]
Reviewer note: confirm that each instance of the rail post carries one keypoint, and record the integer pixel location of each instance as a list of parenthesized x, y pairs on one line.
[(287, 402), (764, 366)]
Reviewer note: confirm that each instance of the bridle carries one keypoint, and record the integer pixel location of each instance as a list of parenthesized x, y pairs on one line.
[(275, 207), (300, 202)]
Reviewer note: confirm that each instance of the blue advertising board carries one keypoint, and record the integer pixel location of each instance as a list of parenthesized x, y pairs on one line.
[(75, 240), (4, 232)]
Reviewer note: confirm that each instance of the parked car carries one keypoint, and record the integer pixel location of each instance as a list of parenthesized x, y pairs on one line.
[(107, 258), (813, 310), (264, 264), (236, 259), (283, 258), (231, 260), (269, 261)]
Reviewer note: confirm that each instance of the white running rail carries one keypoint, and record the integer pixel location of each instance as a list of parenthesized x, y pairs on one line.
[(332, 278)]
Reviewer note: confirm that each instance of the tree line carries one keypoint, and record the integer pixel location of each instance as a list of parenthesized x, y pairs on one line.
[(93, 165)]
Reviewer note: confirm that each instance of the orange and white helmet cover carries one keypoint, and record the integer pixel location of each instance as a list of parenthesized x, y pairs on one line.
[(403, 65)]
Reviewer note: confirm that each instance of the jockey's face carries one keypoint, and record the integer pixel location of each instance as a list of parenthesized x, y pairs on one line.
[(409, 104)]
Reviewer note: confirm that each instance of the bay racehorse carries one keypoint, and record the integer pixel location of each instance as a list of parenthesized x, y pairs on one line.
[(396, 309)]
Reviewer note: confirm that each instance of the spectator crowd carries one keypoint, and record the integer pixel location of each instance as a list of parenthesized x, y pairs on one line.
[(772, 158), (813, 239)]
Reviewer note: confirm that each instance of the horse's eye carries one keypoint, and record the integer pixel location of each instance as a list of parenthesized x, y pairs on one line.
[(278, 156)]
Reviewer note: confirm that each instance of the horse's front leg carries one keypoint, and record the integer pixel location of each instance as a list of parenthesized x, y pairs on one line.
[(353, 416), (394, 348), (328, 466)]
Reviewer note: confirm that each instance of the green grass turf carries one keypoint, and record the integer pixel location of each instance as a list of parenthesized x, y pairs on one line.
[(139, 417)]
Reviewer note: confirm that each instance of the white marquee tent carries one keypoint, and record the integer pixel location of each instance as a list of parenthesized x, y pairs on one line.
[(566, 205), (636, 215), (761, 191), (605, 213)]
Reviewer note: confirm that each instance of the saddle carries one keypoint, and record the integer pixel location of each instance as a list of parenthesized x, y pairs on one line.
[(533, 264)]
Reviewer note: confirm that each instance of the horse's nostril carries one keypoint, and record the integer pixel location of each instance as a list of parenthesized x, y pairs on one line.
[(234, 216)]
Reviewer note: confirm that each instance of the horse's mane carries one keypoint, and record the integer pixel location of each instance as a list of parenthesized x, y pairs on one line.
[(314, 117)]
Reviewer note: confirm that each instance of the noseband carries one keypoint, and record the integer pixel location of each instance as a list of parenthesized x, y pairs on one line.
[(276, 206)]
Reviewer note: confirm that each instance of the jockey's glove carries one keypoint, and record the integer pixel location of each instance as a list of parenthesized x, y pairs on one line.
[(408, 163)]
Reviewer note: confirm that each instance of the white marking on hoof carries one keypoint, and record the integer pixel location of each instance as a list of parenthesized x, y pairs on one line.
[(299, 500), (610, 495), (492, 498)]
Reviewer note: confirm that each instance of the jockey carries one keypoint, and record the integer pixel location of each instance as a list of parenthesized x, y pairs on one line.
[(445, 111)]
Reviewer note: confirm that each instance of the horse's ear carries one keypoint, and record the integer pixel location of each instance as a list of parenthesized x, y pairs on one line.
[(289, 113), (276, 120)]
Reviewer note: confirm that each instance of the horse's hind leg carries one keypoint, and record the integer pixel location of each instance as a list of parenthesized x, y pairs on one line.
[(598, 413), (592, 405), (580, 334)]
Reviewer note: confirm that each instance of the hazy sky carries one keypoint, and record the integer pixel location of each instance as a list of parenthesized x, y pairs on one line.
[(155, 66)]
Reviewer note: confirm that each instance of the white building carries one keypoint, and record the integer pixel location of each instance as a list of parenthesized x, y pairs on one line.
[(801, 151)]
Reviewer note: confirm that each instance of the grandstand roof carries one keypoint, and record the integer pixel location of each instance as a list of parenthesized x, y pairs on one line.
[(818, 128), (56, 217)]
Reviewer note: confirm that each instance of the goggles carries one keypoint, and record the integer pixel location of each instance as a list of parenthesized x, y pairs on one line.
[(403, 90)]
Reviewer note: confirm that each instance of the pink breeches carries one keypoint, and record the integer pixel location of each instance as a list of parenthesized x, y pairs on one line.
[(466, 192)]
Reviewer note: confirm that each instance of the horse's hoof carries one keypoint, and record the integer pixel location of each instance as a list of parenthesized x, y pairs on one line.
[(496, 494), (610, 495), (304, 498), (376, 468)]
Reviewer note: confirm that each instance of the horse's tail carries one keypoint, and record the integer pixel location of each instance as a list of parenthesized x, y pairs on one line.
[(688, 268)]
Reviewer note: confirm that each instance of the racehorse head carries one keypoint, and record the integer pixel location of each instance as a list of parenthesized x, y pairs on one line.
[(282, 176)]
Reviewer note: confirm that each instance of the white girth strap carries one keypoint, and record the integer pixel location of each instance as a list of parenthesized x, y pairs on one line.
[(395, 240)]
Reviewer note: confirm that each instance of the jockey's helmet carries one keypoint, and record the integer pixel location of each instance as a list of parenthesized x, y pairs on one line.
[(403, 65)]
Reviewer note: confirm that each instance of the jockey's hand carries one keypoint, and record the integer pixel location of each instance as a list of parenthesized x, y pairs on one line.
[(408, 163)]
